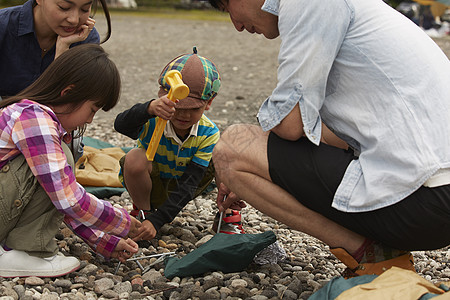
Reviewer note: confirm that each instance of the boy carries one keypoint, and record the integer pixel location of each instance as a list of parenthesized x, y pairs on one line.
[(181, 168)]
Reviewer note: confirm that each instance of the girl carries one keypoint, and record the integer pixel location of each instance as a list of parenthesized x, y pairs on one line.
[(37, 186), (34, 34)]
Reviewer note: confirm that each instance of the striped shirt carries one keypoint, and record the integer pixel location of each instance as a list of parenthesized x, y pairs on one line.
[(33, 130), (174, 155)]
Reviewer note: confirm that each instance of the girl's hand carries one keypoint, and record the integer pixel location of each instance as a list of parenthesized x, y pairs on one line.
[(231, 201), (125, 249), (162, 107), (63, 43)]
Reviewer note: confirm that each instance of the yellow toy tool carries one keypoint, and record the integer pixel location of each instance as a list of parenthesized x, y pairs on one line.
[(178, 90)]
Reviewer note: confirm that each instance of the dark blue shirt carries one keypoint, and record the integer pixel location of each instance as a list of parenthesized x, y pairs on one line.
[(20, 54)]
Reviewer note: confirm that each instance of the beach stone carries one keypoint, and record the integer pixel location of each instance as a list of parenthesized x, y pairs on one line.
[(123, 287), (241, 292), (135, 296), (110, 294), (34, 281), (154, 277), (88, 269), (64, 283), (20, 290), (103, 284), (8, 292), (238, 283), (49, 296)]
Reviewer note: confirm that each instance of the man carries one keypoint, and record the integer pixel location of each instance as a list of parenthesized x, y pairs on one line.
[(373, 183)]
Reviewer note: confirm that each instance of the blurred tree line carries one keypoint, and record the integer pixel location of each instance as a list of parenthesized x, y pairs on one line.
[(141, 3)]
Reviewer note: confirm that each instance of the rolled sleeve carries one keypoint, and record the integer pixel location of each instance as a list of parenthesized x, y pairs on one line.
[(311, 35)]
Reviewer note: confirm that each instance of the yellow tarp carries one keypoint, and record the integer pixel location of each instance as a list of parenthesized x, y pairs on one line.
[(99, 167), (395, 283)]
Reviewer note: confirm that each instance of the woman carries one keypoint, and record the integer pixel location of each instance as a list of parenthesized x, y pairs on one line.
[(32, 35)]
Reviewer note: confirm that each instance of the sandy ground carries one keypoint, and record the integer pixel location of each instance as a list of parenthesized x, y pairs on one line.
[(142, 46)]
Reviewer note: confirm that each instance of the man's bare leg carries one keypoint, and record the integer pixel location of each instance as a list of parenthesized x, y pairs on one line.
[(240, 159)]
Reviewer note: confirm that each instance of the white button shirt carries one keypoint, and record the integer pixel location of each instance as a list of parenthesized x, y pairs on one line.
[(375, 79)]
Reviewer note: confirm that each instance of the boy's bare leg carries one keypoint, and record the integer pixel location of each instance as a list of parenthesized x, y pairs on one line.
[(137, 170), (240, 159)]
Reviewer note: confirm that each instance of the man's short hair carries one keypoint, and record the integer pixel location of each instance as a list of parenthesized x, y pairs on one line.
[(218, 4)]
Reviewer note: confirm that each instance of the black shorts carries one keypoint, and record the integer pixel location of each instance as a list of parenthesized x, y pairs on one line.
[(313, 173)]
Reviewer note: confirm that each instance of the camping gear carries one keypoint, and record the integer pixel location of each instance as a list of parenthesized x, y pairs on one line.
[(272, 254), (231, 223), (161, 258), (223, 252), (101, 189)]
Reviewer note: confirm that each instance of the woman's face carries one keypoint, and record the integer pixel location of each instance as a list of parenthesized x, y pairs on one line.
[(63, 17)]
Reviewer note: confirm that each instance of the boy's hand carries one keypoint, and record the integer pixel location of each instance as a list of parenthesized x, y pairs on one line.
[(232, 200), (125, 249), (162, 107), (134, 227), (146, 232)]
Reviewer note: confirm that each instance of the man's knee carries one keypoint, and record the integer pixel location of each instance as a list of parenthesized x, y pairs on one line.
[(225, 145), (239, 145)]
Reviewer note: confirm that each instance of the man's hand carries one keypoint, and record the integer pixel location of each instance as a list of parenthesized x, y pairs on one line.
[(146, 232), (125, 249), (227, 199)]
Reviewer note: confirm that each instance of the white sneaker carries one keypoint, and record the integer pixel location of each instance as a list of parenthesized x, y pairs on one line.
[(15, 263)]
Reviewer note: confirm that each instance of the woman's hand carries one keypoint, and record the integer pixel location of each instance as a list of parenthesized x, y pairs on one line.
[(63, 43), (125, 249), (227, 199)]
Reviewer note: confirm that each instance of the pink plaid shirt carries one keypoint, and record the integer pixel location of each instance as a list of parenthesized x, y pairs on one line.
[(34, 131)]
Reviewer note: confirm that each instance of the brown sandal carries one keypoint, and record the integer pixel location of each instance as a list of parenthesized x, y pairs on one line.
[(354, 269)]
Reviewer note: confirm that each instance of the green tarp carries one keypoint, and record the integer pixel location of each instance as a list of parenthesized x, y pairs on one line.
[(223, 252)]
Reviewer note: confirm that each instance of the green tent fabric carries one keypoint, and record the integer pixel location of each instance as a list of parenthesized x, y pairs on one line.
[(99, 144), (223, 252)]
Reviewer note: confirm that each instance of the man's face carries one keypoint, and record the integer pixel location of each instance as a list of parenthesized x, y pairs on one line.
[(247, 15)]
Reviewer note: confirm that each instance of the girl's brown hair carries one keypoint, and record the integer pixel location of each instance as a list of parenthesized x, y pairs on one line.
[(86, 69)]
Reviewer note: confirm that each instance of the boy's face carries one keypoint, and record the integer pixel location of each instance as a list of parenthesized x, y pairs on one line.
[(184, 119)]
